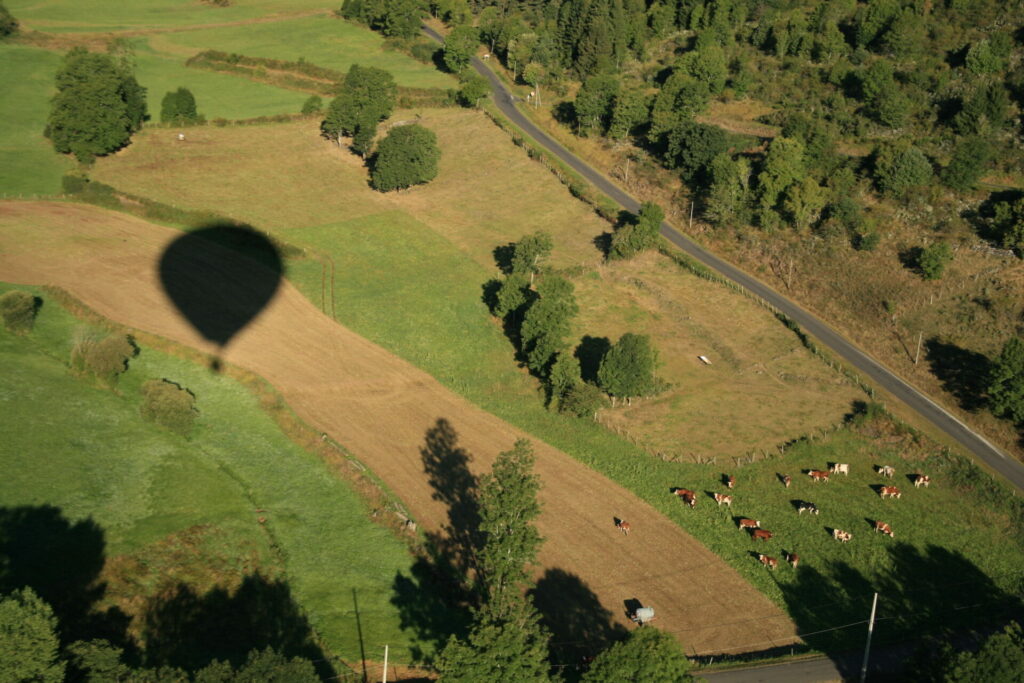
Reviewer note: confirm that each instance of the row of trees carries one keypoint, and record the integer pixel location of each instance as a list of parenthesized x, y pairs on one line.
[(409, 155), (538, 306)]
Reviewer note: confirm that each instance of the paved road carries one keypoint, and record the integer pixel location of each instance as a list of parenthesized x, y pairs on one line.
[(992, 456), (817, 670)]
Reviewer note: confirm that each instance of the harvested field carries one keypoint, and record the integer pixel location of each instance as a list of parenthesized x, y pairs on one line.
[(393, 417)]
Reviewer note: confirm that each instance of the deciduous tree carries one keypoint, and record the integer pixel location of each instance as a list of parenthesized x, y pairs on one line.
[(459, 46), (647, 655), (29, 646), (547, 322), (900, 167), (179, 107), (407, 156), (627, 370), (18, 309), (1006, 385), (367, 95)]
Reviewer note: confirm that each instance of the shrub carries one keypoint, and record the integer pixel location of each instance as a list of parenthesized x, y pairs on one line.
[(582, 400), (8, 24), (169, 405), (313, 105), (106, 358), (933, 259), (18, 309)]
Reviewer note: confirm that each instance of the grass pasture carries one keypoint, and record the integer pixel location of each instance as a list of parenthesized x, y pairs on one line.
[(28, 164), (185, 515), (101, 16)]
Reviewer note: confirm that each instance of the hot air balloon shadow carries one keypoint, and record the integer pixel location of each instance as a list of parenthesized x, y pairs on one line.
[(220, 277)]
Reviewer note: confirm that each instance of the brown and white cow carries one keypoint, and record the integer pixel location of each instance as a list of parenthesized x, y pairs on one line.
[(803, 506), (886, 470), (729, 480), (842, 536), (884, 528), (769, 562), (793, 559), (921, 480), (745, 523), (839, 468), (889, 492), (623, 526), (818, 475), (683, 493), (761, 534), (787, 480), (687, 496), (723, 499)]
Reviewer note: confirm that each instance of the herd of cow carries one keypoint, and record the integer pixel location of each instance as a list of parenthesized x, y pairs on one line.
[(753, 526)]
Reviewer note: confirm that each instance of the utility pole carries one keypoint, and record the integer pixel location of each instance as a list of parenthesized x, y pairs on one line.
[(867, 646), (691, 215), (917, 355), (385, 678)]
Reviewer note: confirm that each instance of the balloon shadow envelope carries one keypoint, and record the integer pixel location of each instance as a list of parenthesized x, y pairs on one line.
[(220, 277)]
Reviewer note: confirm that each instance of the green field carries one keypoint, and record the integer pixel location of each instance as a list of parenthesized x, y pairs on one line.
[(322, 40), (28, 164), (96, 16), (92, 456)]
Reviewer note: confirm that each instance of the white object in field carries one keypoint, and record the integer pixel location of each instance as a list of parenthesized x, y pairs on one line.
[(705, 360), (487, 55), (181, 136), (643, 615)]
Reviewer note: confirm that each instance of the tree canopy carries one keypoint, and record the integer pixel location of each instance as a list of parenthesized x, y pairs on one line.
[(29, 646), (647, 655), (407, 156), (548, 322), (98, 105), (1006, 383), (366, 98), (179, 106), (627, 370), (459, 46)]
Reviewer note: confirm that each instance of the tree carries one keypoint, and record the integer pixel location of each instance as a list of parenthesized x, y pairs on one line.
[(106, 357), (933, 259), (690, 147), (473, 87), (29, 644), (1006, 383), (783, 166), (511, 295), (629, 110), (564, 376), (97, 107), (459, 46), (407, 156), (530, 251), (401, 19), (535, 74), (900, 167), (18, 309), (804, 201), (627, 370), (982, 60), (508, 508), (266, 666), (970, 158), (647, 655), (593, 104), (506, 643), (582, 400), (97, 661), (708, 65), (169, 405), (547, 322), (367, 95), (1000, 659), (8, 24), (1008, 225), (729, 190), (634, 237), (179, 107)]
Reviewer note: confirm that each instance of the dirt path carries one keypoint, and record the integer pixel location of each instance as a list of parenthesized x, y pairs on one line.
[(382, 409)]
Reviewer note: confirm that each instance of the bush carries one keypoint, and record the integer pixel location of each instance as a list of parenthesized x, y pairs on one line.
[(932, 260), (582, 400), (407, 156), (313, 105), (106, 358), (169, 405), (424, 52), (8, 24), (18, 309)]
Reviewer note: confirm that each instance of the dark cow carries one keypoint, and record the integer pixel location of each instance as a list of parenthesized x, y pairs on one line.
[(803, 506), (793, 559), (761, 534)]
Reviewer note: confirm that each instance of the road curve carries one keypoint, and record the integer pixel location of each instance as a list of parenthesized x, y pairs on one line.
[(985, 451)]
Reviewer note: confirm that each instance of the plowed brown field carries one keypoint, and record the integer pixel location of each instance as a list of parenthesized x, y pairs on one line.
[(381, 408)]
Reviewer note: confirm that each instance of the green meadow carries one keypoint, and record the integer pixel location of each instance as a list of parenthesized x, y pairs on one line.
[(90, 454)]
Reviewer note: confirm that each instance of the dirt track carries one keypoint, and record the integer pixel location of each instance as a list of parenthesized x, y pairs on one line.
[(382, 408)]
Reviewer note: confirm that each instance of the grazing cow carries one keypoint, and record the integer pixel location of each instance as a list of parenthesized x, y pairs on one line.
[(761, 534), (884, 528), (889, 492), (793, 559), (749, 523), (623, 526), (787, 480), (842, 536), (687, 496), (769, 562), (723, 499), (922, 480), (886, 470), (839, 468), (804, 506), (729, 480), (818, 475)]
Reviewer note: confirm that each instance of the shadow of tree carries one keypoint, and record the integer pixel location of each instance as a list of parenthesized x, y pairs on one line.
[(437, 598), (61, 560), (963, 373), (580, 625), (926, 592), (590, 352), (183, 629)]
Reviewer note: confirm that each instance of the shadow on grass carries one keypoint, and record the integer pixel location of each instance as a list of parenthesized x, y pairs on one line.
[(184, 629), (590, 352), (927, 592), (963, 373)]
